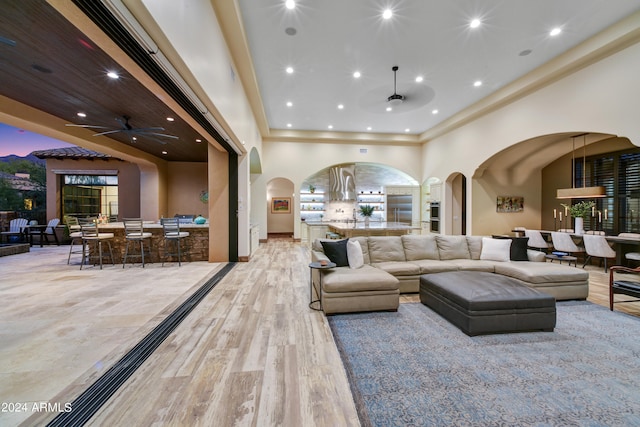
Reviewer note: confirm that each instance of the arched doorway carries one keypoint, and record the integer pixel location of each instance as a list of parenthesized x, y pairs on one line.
[(280, 211), (456, 204)]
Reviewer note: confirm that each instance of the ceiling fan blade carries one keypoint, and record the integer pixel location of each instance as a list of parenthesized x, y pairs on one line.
[(108, 132), (151, 138), (87, 126), (138, 130), (157, 134)]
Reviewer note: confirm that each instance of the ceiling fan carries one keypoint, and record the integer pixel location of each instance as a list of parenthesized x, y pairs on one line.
[(395, 99), (149, 133)]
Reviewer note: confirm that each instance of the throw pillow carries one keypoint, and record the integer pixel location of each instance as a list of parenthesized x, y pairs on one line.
[(518, 247), (495, 249), (354, 254), (336, 251)]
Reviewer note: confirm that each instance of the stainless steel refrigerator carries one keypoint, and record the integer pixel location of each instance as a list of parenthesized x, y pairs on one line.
[(400, 208)]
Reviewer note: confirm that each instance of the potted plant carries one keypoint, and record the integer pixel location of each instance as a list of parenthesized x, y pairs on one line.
[(366, 211), (579, 211), (312, 189)]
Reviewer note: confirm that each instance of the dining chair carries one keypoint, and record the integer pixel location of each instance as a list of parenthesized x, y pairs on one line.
[(92, 236), (16, 228), (597, 246), (596, 232), (134, 233), (632, 256), (172, 235), (536, 240), (563, 242)]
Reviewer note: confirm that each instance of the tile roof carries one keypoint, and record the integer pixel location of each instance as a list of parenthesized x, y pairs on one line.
[(71, 153)]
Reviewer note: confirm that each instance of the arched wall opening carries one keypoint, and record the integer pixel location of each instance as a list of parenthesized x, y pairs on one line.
[(280, 211), (455, 205)]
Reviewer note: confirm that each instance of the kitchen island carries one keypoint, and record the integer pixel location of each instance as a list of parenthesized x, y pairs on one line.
[(312, 230)]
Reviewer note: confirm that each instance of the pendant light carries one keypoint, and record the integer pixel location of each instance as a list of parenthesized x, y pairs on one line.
[(583, 192)]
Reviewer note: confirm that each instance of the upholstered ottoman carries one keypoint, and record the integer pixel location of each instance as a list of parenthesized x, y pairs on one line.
[(486, 303)]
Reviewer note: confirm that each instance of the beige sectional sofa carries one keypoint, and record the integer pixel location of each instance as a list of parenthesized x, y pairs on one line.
[(394, 264)]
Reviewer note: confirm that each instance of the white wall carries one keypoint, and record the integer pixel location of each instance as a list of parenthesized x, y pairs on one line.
[(604, 97)]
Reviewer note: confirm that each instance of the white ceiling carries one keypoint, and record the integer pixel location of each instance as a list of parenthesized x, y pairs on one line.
[(429, 38)]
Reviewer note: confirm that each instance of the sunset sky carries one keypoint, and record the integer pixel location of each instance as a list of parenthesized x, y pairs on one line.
[(21, 142)]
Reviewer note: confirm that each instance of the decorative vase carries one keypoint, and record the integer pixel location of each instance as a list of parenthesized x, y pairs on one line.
[(579, 225), (200, 220), (366, 221)]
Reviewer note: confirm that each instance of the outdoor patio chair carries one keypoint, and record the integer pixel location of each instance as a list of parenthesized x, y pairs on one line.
[(16, 228), (626, 287)]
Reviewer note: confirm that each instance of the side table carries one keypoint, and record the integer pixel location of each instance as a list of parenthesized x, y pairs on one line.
[(317, 266)]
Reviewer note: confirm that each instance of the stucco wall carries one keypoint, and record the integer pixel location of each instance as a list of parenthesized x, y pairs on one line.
[(186, 180)]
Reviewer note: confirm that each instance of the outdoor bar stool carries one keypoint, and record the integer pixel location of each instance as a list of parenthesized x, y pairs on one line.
[(75, 234), (134, 233), (91, 236), (173, 235)]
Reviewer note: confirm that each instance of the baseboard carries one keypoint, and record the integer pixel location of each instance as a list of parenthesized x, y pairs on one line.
[(243, 258), (264, 240)]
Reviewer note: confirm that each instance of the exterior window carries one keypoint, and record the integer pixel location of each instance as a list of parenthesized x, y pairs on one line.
[(90, 195), (619, 173)]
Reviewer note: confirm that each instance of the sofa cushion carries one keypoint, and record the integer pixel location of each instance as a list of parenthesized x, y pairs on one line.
[(420, 247), (367, 278), (475, 246), (354, 254), (518, 247), (472, 265), (398, 268), (495, 249), (453, 247), (336, 250), (364, 245), (541, 272), (428, 266), (386, 248)]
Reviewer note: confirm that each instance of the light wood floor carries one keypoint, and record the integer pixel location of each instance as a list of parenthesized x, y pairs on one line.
[(252, 353)]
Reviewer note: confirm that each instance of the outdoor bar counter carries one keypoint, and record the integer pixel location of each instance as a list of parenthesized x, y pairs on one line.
[(195, 246)]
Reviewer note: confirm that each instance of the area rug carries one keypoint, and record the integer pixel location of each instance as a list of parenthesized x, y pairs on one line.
[(414, 368)]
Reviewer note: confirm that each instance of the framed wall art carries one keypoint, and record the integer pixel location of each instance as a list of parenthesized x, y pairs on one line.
[(281, 205), (509, 204)]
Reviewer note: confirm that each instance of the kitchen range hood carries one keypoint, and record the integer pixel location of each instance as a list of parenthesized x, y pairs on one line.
[(342, 182)]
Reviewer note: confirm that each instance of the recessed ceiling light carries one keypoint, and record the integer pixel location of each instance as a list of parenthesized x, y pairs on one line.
[(289, 70), (419, 79), (368, 127), (288, 125), (389, 109), (340, 107), (387, 14), (170, 119), (477, 83), (198, 140), (434, 111), (289, 104), (82, 115), (525, 52), (290, 31), (164, 152), (407, 130), (475, 23), (330, 126), (357, 74), (555, 32), (113, 75), (134, 138), (290, 4)]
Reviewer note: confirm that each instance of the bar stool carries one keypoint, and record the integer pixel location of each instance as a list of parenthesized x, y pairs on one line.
[(91, 235), (134, 233), (75, 234), (172, 233)]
